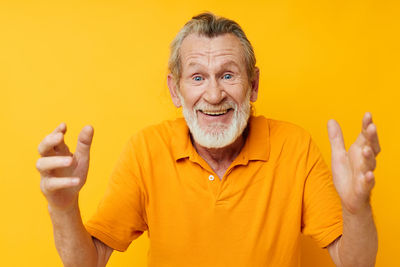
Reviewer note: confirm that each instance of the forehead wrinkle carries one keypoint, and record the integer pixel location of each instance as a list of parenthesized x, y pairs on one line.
[(200, 45), (197, 58), (209, 52)]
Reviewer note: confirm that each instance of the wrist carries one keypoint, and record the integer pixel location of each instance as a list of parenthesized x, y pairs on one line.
[(64, 210), (356, 205), (360, 216)]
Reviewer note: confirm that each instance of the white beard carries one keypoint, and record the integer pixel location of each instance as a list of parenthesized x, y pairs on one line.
[(217, 135)]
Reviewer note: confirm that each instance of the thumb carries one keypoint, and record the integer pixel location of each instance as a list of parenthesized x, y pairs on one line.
[(84, 141), (335, 137)]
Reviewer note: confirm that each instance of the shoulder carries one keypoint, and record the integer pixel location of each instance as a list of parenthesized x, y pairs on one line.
[(163, 129), (159, 135), (280, 130), (291, 143)]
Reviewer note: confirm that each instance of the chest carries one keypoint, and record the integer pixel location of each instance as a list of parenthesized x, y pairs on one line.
[(190, 191)]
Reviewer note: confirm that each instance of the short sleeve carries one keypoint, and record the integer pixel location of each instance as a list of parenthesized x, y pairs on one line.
[(120, 216), (322, 211)]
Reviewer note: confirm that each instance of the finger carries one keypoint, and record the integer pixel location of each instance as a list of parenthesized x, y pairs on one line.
[(335, 137), (367, 119), (62, 128), (54, 184), (368, 134), (372, 137), (84, 141), (369, 181), (369, 177), (49, 142), (50, 163), (369, 131), (369, 162), (54, 142)]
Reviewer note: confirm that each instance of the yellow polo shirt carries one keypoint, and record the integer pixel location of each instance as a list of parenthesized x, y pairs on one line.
[(277, 187)]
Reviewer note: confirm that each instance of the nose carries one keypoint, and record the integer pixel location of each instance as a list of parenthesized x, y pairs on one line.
[(214, 93)]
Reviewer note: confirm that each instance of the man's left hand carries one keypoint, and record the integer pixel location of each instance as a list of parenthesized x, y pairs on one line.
[(353, 170)]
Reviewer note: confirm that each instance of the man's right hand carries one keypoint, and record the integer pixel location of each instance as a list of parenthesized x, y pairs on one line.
[(62, 173)]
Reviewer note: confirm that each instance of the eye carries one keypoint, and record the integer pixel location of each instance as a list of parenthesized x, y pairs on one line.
[(197, 78), (227, 76)]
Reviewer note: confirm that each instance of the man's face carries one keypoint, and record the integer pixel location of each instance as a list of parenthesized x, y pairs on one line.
[(214, 89)]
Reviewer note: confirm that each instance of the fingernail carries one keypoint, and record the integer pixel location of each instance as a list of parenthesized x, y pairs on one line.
[(75, 181), (67, 161)]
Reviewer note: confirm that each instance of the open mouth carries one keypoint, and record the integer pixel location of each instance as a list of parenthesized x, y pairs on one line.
[(215, 112)]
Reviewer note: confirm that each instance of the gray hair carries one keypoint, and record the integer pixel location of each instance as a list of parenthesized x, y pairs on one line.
[(209, 25)]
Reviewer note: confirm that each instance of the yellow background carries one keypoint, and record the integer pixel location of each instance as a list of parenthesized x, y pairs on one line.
[(104, 63)]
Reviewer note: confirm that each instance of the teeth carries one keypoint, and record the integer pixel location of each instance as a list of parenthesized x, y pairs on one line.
[(215, 113)]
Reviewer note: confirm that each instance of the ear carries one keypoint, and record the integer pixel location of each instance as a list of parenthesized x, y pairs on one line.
[(254, 85), (173, 90)]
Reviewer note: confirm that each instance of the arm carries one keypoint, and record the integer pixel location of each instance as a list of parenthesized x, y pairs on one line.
[(74, 244), (62, 176), (354, 179), (359, 243)]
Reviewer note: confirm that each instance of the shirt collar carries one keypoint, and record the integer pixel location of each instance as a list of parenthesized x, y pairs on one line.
[(181, 143), (257, 146), (258, 141)]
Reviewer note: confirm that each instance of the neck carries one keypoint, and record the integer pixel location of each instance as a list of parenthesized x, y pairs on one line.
[(220, 159)]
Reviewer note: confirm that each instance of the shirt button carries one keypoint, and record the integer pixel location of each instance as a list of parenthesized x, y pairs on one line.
[(211, 177)]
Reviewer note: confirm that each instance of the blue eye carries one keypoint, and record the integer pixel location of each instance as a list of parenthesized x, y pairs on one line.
[(197, 78), (227, 76)]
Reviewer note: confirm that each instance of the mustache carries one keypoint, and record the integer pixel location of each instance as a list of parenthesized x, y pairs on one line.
[(227, 104)]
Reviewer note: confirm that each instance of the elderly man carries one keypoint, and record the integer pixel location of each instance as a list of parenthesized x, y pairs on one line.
[(220, 187)]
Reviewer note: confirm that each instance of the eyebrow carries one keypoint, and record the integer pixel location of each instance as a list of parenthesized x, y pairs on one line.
[(225, 64)]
